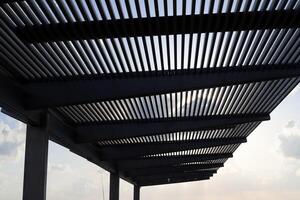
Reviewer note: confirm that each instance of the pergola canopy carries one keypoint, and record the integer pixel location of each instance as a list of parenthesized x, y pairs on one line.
[(156, 91)]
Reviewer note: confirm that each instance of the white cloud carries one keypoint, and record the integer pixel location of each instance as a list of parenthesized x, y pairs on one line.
[(290, 146), (11, 141), (290, 124), (59, 168), (290, 140)]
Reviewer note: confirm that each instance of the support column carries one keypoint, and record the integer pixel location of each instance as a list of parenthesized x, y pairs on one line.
[(136, 193), (35, 169), (114, 186)]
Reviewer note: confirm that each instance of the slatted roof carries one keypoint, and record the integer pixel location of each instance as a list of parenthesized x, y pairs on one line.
[(160, 91)]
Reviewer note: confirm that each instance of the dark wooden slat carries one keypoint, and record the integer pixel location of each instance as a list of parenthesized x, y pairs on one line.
[(116, 130), (70, 92), (164, 26)]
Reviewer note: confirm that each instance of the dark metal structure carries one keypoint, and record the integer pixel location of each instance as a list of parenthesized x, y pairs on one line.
[(155, 92)]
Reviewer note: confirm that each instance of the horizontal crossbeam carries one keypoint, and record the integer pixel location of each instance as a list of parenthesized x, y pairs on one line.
[(70, 92), (122, 135), (169, 25), (139, 150), (172, 169), (99, 132), (145, 163), (176, 175), (171, 181)]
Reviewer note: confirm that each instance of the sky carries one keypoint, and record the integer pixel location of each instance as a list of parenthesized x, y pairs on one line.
[(266, 167)]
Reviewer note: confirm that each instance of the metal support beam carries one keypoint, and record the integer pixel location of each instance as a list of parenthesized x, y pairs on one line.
[(177, 175), (117, 130), (160, 26), (62, 93), (11, 97), (35, 169), (171, 181), (114, 186), (136, 192), (166, 161), (138, 150), (173, 169)]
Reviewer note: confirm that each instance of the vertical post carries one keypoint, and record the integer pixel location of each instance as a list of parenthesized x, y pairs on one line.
[(136, 193), (35, 168), (114, 186)]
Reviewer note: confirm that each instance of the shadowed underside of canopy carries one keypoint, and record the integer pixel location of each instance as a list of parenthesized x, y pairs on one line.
[(155, 91)]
